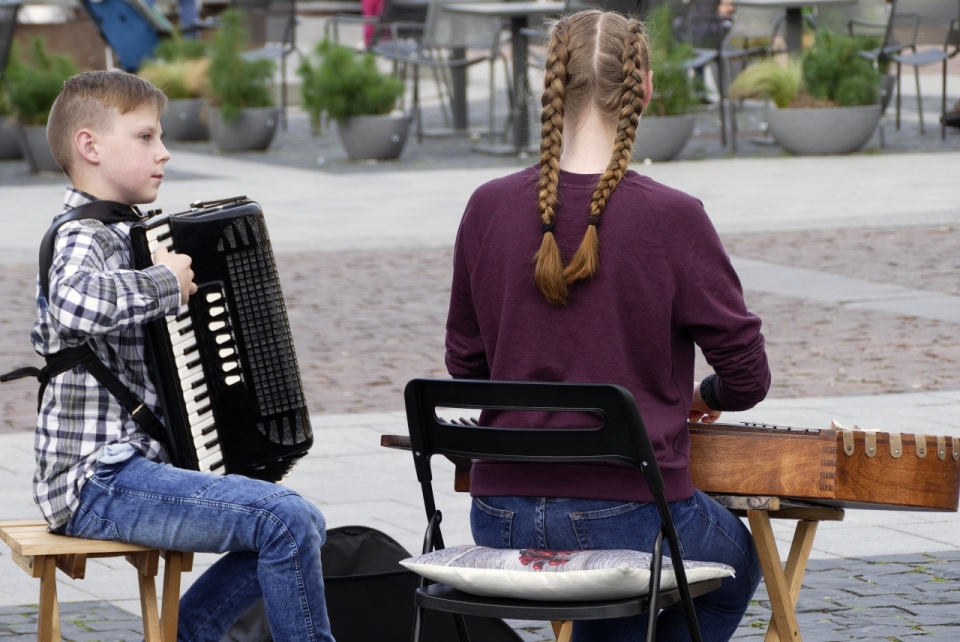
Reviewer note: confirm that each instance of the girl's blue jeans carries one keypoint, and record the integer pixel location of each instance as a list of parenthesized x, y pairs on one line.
[(271, 535), (708, 532)]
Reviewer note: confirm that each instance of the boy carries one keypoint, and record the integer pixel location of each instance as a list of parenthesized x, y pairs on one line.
[(99, 474)]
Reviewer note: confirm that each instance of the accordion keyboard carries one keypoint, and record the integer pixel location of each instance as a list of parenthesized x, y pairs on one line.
[(193, 384)]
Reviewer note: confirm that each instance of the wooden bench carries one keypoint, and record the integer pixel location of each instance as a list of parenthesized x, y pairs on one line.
[(40, 553)]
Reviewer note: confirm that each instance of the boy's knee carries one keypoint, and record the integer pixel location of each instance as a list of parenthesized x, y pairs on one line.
[(298, 515)]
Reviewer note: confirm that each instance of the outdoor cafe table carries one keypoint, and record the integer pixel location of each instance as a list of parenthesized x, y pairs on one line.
[(794, 10), (519, 14)]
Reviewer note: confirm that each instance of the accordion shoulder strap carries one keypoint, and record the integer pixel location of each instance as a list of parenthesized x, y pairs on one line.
[(69, 358)]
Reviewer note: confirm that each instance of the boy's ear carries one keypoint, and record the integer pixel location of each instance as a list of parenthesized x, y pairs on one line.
[(85, 142)]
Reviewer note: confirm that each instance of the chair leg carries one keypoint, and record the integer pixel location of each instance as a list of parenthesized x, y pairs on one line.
[(170, 608), (898, 96), (723, 111), (48, 619), (916, 75), (943, 104), (418, 624), (461, 628), (416, 103), (562, 630), (283, 91)]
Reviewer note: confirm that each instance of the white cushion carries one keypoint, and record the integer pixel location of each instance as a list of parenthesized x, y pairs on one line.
[(552, 575)]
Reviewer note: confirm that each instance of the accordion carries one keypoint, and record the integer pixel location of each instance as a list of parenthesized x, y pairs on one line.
[(224, 365)]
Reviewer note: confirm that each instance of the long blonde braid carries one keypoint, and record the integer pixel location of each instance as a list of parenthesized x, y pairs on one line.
[(548, 273), (636, 62)]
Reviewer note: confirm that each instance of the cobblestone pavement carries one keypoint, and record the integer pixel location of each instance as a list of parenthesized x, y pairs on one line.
[(888, 598), (366, 322)]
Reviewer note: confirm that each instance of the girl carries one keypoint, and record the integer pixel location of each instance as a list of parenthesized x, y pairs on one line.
[(647, 278)]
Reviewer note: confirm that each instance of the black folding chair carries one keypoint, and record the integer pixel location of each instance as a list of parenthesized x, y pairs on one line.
[(622, 438)]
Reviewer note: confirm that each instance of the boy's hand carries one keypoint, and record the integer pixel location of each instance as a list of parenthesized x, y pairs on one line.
[(180, 264)]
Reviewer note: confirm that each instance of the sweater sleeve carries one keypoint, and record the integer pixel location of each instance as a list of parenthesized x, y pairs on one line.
[(711, 308), (466, 357)]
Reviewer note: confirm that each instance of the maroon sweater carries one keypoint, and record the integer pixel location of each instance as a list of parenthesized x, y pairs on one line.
[(664, 283)]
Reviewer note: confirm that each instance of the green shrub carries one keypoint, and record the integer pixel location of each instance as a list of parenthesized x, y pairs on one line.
[(674, 93), (178, 79), (831, 73), (6, 109), (342, 83), (176, 48), (35, 80), (769, 79), (834, 70), (236, 83)]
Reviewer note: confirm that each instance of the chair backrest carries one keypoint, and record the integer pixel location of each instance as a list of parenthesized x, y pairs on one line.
[(697, 23), (921, 22), (408, 12), (751, 23), (837, 17), (271, 21), (445, 29), (622, 436), (8, 24)]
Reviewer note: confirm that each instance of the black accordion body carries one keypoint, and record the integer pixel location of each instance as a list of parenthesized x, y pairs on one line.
[(224, 366)]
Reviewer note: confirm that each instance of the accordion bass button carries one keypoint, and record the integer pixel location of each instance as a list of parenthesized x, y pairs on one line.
[(226, 352), (222, 338), (230, 366), (216, 310), (213, 297), (217, 325), (231, 380)]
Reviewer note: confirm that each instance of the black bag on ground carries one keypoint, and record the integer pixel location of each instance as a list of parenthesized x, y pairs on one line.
[(370, 596)]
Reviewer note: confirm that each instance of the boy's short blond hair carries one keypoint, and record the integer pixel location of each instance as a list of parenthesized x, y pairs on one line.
[(88, 100)]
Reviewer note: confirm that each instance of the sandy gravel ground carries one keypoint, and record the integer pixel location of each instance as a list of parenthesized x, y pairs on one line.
[(364, 323)]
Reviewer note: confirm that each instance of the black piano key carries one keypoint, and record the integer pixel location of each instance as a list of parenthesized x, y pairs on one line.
[(192, 348), (196, 384), (216, 465), (202, 395), (208, 430), (192, 364), (203, 410), (212, 443)]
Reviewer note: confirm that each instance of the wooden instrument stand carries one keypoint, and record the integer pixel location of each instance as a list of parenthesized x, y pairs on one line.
[(783, 583)]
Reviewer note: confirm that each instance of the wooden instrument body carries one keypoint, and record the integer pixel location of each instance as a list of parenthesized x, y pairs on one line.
[(833, 467)]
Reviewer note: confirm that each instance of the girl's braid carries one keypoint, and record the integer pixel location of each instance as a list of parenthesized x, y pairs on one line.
[(636, 62), (548, 273)]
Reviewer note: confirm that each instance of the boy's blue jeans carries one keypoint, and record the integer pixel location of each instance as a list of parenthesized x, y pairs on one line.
[(271, 535), (708, 532)]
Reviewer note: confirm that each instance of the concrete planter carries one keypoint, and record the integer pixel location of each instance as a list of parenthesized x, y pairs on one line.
[(185, 119), (33, 141), (253, 130), (831, 130), (660, 138), (374, 137), (9, 139)]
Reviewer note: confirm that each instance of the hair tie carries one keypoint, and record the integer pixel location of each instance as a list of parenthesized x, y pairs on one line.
[(546, 227), (594, 220)]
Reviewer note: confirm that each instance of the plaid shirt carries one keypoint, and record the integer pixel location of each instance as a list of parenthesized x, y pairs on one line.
[(95, 296)]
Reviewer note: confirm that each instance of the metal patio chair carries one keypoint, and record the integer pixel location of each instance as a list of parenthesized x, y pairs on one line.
[(920, 33)]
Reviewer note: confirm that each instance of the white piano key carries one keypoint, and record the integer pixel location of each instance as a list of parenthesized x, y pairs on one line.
[(190, 393), (187, 382), (192, 406), (174, 326), (178, 339), (209, 460), (182, 347), (185, 359), (213, 297), (159, 230), (197, 430), (185, 373), (196, 417)]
